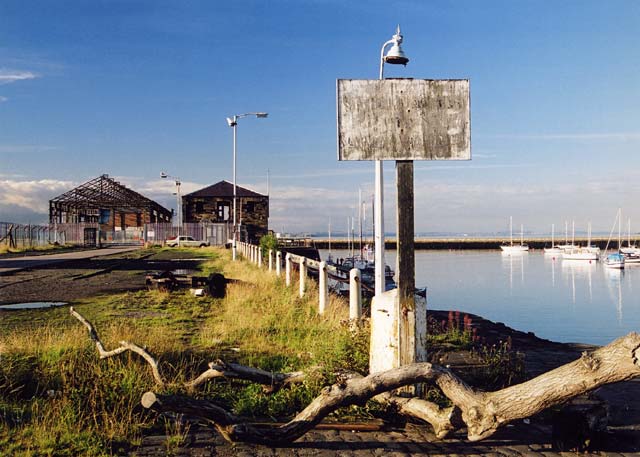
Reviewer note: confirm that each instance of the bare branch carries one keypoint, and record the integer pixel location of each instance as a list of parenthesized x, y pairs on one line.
[(350, 391), (124, 346), (443, 420), (273, 381)]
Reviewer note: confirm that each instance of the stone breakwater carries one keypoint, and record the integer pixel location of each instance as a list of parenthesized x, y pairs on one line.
[(465, 243)]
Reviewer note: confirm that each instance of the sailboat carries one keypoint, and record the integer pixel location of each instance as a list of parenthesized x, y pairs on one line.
[(553, 249), (566, 246), (512, 248), (589, 253), (631, 252), (615, 260)]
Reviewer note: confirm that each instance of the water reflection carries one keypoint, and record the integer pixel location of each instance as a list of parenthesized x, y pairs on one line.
[(511, 259), (614, 286), (583, 271), (556, 299), (551, 260)]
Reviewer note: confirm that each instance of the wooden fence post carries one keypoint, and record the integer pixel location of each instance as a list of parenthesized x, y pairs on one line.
[(355, 294), (303, 276), (270, 259), (259, 256), (323, 288), (278, 263), (287, 269)]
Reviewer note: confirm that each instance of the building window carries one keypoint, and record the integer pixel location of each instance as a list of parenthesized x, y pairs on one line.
[(199, 207), (249, 207), (223, 212)]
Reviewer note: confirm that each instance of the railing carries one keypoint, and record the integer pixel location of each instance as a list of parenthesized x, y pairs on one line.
[(308, 267), (91, 234)]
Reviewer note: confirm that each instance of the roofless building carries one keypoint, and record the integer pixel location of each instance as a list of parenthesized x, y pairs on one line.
[(106, 202)]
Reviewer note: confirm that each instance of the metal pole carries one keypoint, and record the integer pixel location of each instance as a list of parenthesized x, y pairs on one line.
[(235, 228), (379, 209), (179, 203)]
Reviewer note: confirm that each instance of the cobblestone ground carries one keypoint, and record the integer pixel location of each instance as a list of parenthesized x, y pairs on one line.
[(412, 440)]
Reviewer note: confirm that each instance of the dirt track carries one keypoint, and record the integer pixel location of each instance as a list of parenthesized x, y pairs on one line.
[(73, 280)]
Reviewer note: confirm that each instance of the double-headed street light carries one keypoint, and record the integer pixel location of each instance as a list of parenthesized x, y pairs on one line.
[(164, 175), (394, 56), (233, 123)]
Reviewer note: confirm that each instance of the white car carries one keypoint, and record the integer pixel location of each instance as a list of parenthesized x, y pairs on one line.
[(186, 241)]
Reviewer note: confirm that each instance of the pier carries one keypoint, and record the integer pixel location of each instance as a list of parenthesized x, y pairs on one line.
[(464, 243)]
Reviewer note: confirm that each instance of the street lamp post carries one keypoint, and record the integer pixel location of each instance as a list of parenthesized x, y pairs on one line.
[(233, 123), (178, 201), (394, 56)]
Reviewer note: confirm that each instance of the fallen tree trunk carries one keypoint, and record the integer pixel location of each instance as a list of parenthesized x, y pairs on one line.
[(482, 412)]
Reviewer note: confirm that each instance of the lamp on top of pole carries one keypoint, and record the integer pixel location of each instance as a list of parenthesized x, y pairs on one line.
[(177, 181), (233, 123), (394, 56)]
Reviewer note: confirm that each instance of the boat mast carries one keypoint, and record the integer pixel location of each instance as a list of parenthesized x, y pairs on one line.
[(552, 233), (511, 229), (619, 228), (566, 233), (521, 235)]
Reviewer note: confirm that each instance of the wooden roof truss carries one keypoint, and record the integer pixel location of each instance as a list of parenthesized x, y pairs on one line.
[(104, 192)]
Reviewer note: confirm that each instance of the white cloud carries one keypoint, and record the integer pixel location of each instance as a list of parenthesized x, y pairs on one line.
[(3, 99), (11, 76), (33, 195)]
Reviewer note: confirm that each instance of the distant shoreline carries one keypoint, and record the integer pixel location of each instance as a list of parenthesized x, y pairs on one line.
[(465, 243)]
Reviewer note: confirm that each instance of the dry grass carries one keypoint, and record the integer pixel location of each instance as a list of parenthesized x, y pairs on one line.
[(261, 315), (57, 397)]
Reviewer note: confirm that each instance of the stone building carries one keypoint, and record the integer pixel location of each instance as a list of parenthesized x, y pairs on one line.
[(107, 203), (215, 204)]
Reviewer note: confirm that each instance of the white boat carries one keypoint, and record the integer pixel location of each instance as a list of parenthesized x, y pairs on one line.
[(631, 252), (580, 254), (566, 247), (588, 247), (588, 252), (514, 248), (554, 250), (615, 260)]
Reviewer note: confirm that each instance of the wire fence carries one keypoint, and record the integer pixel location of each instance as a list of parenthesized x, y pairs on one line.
[(20, 236)]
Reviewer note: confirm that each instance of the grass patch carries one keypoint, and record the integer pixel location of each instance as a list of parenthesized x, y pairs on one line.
[(58, 398), (5, 249)]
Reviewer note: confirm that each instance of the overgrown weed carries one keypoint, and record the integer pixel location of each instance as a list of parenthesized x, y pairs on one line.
[(58, 398)]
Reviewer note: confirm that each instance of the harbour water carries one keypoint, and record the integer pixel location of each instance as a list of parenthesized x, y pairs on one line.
[(565, 301)]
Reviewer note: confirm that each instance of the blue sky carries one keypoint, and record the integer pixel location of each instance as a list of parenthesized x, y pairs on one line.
[(133, 88)]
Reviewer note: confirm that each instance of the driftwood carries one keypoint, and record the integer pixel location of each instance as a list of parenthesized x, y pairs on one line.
[(219, 369), (481, 412)]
